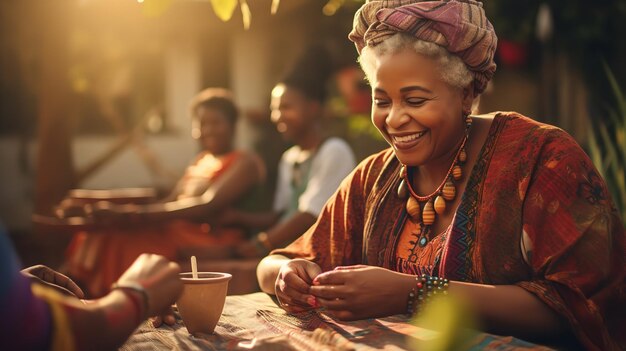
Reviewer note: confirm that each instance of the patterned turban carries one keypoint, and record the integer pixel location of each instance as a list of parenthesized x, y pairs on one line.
[(460, 26)]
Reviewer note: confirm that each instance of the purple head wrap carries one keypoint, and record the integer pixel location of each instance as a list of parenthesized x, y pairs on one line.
[(460, 26)]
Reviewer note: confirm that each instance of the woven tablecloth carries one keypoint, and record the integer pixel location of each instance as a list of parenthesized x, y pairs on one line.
[(255, 322)]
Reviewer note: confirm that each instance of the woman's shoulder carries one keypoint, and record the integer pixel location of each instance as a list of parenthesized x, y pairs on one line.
[(251, 161), (247, 155), (519, 122), (513, 128), (530, 139)]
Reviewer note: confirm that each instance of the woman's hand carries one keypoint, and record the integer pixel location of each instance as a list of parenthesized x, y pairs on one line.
[(293, 283), (359, 292), (160, 279), (51, 278), (166, 317)]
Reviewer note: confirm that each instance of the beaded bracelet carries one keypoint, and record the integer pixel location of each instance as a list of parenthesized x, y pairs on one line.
[(426, 288), (138, 288)]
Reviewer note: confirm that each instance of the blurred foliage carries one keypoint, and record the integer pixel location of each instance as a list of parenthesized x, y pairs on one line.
[(587, 32), (607, 145), (577, 24), (155, 8), (224, 9), (356, 127), (448, 324)]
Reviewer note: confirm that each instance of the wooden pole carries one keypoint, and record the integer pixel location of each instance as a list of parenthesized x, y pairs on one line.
[(55, 171)]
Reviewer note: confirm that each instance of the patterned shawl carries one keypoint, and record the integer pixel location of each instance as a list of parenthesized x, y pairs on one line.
[(458, 25), (549, 227)]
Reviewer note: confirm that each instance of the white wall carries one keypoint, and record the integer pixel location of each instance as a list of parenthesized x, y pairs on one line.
[(16, 184), (174, 149)]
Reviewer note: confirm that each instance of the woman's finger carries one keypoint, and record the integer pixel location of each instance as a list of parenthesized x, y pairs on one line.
[(332, 278), (293, 296), (291, 306), (310, 271), (54, 279), (328, 291), (295, 282), (333, 304), (58, 288), (67, 283), (157, 321), (169, 319), (345, 268)]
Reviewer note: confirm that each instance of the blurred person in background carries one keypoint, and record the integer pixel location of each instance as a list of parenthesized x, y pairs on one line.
[(311, 170), (182, 224)]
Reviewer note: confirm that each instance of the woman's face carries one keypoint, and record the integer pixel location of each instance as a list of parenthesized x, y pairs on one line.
[(292, 113), (418, 114), (213, 130)]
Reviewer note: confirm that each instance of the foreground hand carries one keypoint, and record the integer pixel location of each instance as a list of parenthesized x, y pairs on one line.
[(166, 317), (51, 278), (293, 283), (159, 277), (359, 292)]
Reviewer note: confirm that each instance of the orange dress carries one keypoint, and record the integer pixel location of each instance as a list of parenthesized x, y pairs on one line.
[(97, 258)]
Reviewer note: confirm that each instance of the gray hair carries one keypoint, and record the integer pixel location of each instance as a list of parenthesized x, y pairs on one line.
[(452, 69)]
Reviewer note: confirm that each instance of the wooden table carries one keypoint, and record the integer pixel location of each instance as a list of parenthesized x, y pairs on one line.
[(255, 322)]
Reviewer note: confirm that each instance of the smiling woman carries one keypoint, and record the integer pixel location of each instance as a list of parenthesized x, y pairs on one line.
[(187, 222), (488, 209)]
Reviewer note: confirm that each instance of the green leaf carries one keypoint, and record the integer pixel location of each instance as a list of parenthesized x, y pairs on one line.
[(610, 147), (615, 118), (621, 142), (617, 91), (595, 154), (332, 6), (275, 4), (613, 141), (224, 8), (621, 185), (155, 8), (246, 14)]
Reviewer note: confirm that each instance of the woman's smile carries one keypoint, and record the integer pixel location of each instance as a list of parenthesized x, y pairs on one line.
[(405, 141)]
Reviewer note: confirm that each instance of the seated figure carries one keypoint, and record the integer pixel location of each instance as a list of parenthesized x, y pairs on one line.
[(182, 224), (311, 170)]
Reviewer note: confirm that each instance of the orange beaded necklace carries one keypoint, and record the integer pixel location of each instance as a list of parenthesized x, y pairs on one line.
[(422, 208)]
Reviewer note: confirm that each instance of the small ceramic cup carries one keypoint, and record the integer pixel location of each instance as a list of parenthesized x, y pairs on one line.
[(202, 301)]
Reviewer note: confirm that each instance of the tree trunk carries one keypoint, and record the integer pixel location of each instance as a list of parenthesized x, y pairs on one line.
[(55, 172)]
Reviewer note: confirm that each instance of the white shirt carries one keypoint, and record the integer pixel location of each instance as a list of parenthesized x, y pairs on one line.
[(328, 167)]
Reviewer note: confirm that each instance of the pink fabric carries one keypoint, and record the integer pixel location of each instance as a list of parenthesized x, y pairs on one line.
[(458, 25)]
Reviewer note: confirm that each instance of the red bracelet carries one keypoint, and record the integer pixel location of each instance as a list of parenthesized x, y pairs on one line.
[(141, 311)]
